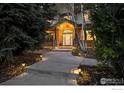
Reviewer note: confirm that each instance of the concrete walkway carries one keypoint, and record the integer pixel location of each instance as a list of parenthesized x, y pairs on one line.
[(53, 70)]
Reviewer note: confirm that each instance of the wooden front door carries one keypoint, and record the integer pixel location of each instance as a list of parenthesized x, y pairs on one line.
[(67, 39)]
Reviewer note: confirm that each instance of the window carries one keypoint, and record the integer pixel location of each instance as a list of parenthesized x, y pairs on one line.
[(49, 36)]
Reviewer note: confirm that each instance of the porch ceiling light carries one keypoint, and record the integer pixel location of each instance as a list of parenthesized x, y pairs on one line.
[(61, 26)]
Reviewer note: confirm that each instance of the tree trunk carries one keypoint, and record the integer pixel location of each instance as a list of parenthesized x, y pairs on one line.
[(83, 29), (75, 25)]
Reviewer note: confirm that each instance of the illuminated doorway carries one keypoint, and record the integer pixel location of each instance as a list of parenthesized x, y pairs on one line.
[(67, 38)]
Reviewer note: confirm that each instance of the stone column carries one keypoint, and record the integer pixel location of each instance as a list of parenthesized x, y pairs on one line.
[(54, 40)]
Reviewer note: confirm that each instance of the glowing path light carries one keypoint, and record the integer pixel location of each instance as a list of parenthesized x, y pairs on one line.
[(76, 71)]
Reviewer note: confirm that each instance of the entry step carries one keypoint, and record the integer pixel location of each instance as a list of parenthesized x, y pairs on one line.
[(62, 50)]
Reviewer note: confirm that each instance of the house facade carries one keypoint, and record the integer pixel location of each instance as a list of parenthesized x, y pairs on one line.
[(63, 32)]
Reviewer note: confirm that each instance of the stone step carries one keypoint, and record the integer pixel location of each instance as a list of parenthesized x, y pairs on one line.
[(62, 50)]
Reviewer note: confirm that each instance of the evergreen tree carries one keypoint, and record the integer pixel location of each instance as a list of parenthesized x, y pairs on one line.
[(22, 27)]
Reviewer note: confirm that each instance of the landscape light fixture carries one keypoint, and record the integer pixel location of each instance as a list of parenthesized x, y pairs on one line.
[(76, 71), (23, 64)]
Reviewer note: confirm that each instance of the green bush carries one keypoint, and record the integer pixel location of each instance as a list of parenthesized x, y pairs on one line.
[(108, 25)]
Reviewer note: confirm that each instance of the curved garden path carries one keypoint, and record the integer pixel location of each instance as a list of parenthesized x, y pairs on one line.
[(53, 70)]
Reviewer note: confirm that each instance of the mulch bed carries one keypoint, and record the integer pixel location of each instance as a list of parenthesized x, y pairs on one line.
[(91, 75), (89, 53), (15, 68)]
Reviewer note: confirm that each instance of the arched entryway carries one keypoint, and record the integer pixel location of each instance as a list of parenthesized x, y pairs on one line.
[(65, 34)]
